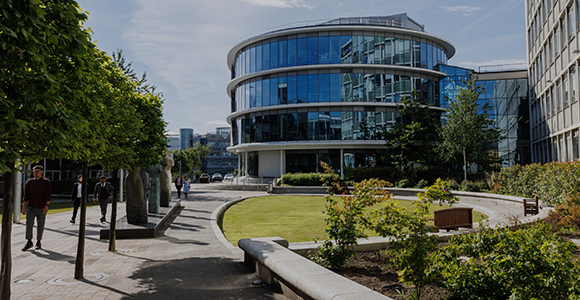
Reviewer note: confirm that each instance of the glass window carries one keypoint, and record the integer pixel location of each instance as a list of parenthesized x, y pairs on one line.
[(274, 130), (292, 58), (274, 91), (389, 51), (407, 52), (346, 49), (259, 58), (282, 54), (258, 126), (247, 61), (292, 126), (282, 127), (571, 23), (429, 57), (283, 90), (312, 126), (302, 52), (334, 49), (335, 87), (266, 128), (292, 96), (558, 96), (302, 88), (312, 50), (252, 94), (266, 92), (335, 125), (323, 87), (253, 59), (313, 88), (266, 56), (258, 88), (323, 50), (423, 55), (323, 126), (573, 84), (273, 55), (565, 90)]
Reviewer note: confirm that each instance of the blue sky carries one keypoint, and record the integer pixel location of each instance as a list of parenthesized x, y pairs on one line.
[(183, 44)]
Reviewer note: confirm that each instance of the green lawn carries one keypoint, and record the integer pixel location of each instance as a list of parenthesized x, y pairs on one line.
[(294, 218), (55, 208)]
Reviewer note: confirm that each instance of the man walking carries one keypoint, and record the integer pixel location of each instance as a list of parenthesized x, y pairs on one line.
[(76, 195), (103, 192), (178, 185), (37, 197)]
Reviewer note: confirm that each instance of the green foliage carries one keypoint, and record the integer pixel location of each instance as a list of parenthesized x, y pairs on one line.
[(422, 184), (413, 139), (500, 263), (467, 133), (346, 219), (331, 177), (403, 183), (566, 216), (553, 182), (191, 158), (412, 245), (306, 179), (473, 186)]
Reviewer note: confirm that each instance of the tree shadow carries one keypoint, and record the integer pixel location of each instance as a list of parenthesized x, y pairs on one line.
[(199, 278)]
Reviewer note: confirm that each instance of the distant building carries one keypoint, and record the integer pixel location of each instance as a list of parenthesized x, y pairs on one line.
[(506, 90), (185, 138), (553, 60), (173, 142)]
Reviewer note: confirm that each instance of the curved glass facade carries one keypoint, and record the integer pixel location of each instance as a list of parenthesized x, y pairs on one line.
[(314, 124), (295, 88), (335, 47)]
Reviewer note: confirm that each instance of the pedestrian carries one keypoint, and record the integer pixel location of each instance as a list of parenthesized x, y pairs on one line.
[(36, 200), (103, 192), (178, 185), (76, 196), (186, 183)]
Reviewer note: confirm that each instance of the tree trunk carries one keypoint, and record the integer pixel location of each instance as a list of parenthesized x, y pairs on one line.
[(113, 227), (464, 165), (6, 254), (79, 263), (136, 207)]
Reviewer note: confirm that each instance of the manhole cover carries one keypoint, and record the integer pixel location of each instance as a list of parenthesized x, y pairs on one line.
[(105, 252), (70, 280)]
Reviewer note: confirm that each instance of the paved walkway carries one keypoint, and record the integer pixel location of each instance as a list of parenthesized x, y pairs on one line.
[(186, 262)]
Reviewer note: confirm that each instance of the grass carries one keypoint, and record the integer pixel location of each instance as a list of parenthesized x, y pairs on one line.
[(55, 208), (294, 218)]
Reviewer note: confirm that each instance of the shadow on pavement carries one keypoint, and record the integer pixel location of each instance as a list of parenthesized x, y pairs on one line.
[(186, 279)]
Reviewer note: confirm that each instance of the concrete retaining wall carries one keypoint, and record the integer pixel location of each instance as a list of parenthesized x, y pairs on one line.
[(297, 276)]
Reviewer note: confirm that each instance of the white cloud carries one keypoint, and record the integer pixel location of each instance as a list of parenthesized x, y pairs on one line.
[(281, 3), (217, 123), (460, 9)]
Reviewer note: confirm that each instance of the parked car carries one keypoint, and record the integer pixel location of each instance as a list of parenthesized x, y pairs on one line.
[(216, 177), (204, 178), (228, 177)]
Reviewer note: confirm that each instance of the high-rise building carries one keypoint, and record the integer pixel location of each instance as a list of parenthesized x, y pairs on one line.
[(553, 58), (324, 91), (186, 138)]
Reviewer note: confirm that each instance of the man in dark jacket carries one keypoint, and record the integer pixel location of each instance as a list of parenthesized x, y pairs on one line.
[(36, 199), (103, 192), (76, 195), (178, 185)]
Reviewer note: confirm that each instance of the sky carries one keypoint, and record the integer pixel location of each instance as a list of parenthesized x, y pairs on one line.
[(182, 45)]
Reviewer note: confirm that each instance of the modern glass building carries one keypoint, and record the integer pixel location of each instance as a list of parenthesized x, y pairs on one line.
[(553, 60), (506, 91), (325, 91)]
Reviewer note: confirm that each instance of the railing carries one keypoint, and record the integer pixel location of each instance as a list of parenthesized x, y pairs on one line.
[(343, 21), (501, 68)]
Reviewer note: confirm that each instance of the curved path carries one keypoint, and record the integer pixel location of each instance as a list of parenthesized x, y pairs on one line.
[(186, 262)]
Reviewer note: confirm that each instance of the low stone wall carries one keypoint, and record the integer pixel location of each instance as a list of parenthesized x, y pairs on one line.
[(297, 276)]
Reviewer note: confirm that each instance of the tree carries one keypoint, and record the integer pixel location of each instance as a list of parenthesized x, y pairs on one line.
[(468, 131), (191, 158), (45, 54), (413, 139)]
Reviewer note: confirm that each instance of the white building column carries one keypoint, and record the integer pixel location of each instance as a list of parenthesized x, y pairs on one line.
[(341, 163)]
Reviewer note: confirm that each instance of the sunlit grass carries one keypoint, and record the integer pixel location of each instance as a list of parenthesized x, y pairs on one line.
[(294, 218)]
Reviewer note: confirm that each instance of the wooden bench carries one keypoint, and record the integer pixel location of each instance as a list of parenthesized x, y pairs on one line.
[(453, 218), (531, 206), (340, 189)]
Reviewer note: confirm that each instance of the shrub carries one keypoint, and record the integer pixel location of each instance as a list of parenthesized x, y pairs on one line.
[(567, 214), (422, 184), (470, 186), (305, 179), (346, 219), (404, 183), (500, 263), (453, 185)]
